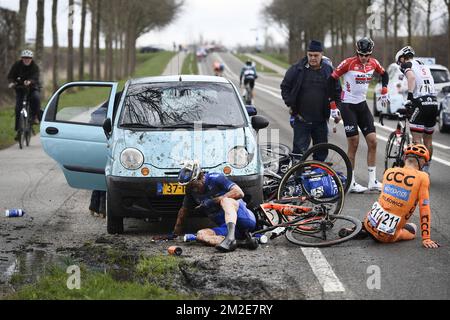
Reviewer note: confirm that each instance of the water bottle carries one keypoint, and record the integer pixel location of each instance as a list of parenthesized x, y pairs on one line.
[(277, 232), (175, 251), (189, 237), (262, 239), (14, 213)]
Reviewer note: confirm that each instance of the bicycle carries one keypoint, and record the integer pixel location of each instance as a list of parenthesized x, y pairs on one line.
[(25, 129), (308, 220), (277, 159), (397, 142), (248, 94)]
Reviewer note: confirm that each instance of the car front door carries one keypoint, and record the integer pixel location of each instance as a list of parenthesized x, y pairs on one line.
[(72, 132)]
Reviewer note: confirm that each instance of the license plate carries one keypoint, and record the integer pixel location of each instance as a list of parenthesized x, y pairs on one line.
[(171, 189)]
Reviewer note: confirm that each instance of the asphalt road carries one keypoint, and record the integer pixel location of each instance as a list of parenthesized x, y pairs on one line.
[(407, 270), (58, 221)]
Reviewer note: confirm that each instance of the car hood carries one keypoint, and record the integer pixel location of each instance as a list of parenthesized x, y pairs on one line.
[(168, 149)]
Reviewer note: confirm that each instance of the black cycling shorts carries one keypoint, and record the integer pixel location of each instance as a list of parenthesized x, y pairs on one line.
[(251, 82), (357, 115), (423, 118)]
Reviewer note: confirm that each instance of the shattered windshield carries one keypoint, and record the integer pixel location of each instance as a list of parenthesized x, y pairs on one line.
[(168, 105)]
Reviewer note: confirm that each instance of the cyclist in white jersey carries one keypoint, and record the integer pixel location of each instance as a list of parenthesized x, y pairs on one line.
[(422, 105)]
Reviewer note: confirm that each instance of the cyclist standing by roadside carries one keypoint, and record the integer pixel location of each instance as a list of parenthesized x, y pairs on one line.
[(248, 73), (25, 72), (403, 189), (358, 73), (422, 105)]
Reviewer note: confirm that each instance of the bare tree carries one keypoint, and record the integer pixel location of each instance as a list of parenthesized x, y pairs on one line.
[(447, 3), (39, 31), (82, 36), (55, 47), (70, 53), (92, 57), (22, 23)]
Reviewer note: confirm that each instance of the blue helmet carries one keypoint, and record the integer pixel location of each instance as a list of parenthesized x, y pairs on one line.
[(189, 172)]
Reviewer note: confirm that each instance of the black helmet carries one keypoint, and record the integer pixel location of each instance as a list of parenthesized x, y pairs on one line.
[(365, 46), (189, 172), (249, 62)]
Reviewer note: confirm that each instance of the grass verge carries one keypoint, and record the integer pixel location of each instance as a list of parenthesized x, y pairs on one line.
[(259, 66), (190, 65), (278, 59)]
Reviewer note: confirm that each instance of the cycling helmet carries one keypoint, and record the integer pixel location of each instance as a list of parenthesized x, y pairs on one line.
[(418, 150), (27, 54), (189, 172), (365, 46), (406, 51), (249, 62)]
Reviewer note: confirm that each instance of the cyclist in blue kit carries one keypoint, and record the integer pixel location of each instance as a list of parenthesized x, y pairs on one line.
[(221, 200)]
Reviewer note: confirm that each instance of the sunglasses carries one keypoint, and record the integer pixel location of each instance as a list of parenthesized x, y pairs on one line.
[(364, 55)]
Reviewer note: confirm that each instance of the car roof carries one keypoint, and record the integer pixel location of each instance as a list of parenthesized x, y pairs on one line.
[(179, 78)]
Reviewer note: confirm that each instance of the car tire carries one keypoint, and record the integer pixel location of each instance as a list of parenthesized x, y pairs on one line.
[(442, 127), (114, 224), (376, 113)]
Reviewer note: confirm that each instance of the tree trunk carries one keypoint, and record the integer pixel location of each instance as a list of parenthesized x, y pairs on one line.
[(396, 13), (429, 3), (385, 40), (55, 47), (22, 24), (97, 40), (92, 40), (39, 32), (81, 46), (70, 54)]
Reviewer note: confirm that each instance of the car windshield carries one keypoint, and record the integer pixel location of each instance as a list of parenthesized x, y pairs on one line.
[(181, 104), (440, 76)]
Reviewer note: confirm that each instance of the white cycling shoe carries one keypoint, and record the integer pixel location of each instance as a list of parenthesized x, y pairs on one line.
[(375, 186), (357, 188)]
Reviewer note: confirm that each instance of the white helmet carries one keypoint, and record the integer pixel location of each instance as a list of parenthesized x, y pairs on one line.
[(27, 54), (404, 52), (189, 172)]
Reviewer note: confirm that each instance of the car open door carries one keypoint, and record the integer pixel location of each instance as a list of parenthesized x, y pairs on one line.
[(72, 132)]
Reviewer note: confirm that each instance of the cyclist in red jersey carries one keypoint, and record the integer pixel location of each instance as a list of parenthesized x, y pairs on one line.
[(357, 73)]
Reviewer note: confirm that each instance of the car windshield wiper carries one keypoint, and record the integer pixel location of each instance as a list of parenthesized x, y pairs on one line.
[(201, 125), (219, 126), (138, 125)]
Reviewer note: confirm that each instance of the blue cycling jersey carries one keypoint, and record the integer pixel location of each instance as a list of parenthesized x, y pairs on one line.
[(216, 185), (322, 184), (248, 73)]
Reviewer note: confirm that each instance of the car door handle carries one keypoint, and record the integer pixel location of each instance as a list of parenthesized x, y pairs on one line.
[(52, 131)]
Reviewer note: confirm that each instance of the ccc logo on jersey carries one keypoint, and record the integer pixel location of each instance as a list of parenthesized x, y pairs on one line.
[(401, 178)]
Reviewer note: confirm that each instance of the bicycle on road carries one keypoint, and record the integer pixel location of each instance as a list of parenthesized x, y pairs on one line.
[(397, 142), (25, 128), (278, 159), (307, 219), (248, 94)]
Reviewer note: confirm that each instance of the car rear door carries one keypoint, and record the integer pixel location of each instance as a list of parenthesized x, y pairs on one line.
[(72, 132)]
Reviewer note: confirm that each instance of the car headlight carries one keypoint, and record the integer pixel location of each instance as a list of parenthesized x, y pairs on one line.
[(132, 159), (239, 157)]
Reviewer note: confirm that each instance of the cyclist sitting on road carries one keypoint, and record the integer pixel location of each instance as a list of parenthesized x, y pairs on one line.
[(422, 105), (221, 200), (358, 73), (403, 189), (248, 73), (25, 72)]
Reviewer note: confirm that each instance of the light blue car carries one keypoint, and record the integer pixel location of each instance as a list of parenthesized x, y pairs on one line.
[(132, 145)]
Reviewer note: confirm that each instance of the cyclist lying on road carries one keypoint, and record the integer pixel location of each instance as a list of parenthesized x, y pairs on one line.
[(222, 200), (403, 188)]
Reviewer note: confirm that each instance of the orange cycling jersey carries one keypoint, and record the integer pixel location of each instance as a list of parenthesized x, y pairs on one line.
[(403, 189)]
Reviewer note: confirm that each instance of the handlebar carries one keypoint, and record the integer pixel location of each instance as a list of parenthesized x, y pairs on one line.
[(400, 115)]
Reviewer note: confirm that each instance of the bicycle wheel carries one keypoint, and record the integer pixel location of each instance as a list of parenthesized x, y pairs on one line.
[(271, 183), (273, 155), (27, 133), (329, 231), (335, 157), (313, 183), (395, 148), (21, 131)]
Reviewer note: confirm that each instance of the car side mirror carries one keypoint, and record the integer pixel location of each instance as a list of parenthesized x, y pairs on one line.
[(259, 122), (107, 127), (251, 110)]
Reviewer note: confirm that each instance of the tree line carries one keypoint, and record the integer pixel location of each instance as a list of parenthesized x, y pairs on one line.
[(116, 23), (342, 22)]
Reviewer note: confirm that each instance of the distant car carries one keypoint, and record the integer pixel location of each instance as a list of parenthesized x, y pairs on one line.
[(150, 50), (398, 87), (444, 111), (135, 154)]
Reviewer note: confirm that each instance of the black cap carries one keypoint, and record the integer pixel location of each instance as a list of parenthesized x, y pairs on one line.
[(315, 46)]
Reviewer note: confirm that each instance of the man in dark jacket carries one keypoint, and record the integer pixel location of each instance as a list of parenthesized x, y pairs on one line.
[(25, 72), (304, 90)]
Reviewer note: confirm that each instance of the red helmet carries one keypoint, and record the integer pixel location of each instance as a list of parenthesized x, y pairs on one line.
[(419, 150)]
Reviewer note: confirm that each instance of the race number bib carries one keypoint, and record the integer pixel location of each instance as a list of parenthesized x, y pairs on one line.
[(382, 220)]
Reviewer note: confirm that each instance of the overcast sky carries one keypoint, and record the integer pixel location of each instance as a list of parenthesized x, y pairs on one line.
[(230, 22)]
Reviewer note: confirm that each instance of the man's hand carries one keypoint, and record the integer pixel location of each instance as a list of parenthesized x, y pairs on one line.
[(11, 85), (430, 244), (27, 83), (336, 115)]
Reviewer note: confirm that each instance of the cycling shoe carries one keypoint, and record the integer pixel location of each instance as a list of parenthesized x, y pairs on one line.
[(227, 245)]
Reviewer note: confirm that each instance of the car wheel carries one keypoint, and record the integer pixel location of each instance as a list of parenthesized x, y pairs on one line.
[(376, 113), (442, 126), (114, 224)]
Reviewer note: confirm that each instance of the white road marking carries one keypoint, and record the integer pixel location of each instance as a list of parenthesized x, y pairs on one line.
[(319, 265), (322, 270)]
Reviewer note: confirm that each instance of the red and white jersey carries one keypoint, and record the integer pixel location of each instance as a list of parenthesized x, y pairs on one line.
[(357, 77)]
